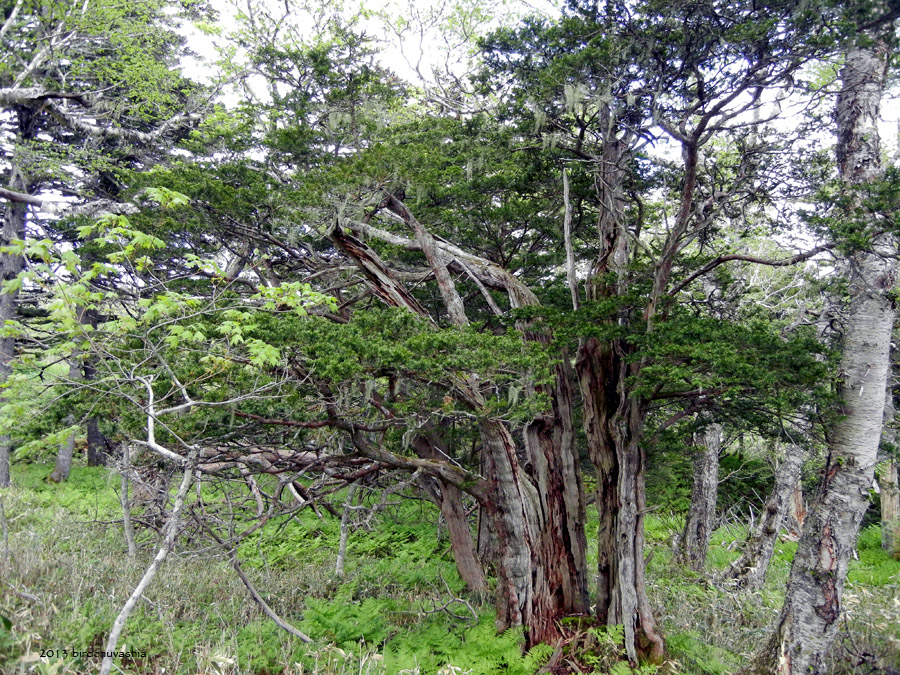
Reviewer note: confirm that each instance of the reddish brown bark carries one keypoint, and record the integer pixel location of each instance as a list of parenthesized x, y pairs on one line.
[(461, 542), (613, 423), (449, 498)]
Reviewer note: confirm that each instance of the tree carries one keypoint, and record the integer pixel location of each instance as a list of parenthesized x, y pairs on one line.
[(600, 86), (812, 608), (701, 518), (83, 88), (749, 570), (888, 477)]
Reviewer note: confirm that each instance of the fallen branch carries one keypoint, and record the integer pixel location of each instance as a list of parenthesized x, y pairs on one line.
[(263, 605)]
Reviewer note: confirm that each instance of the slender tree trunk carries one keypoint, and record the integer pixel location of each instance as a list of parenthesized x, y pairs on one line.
[(67, 448), (63, 464), (125, 500), (613, 424), (701, 516), (887, 480), (461, 543), (812, 607), (749, 570), (96, 441), (449, 497), (890, 508), (10, 267), (345, 531), (485, 539)]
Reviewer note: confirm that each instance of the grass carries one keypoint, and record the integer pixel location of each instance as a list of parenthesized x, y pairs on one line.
[(65, 576)]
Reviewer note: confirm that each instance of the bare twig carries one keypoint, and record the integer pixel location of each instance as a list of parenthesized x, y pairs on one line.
[(23, 594), (126, 502)]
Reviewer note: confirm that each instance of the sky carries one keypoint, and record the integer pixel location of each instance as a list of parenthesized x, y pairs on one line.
[(415, 36)]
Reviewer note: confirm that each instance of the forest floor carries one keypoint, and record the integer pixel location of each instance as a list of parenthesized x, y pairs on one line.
[(398, 609)]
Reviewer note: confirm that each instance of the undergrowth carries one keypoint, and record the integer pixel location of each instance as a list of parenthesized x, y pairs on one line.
[(399, 608)]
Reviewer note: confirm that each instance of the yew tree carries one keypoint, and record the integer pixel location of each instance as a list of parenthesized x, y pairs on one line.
[(603, 86)]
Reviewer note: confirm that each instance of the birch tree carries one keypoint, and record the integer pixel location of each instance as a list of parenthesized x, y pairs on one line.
[(812, 608)]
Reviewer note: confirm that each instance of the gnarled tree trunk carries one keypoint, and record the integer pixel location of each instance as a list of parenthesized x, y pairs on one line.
[(613, 422), (749, 570), (701, 516), (461, 542), (449, 498), (812, 607), (560, 556)]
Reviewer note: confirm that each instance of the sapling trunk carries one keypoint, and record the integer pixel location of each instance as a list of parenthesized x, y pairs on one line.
[(345, 531), (125, 500), (63, 464)]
